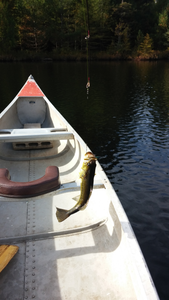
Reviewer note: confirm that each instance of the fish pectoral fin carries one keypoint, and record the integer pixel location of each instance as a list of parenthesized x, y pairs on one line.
[(76, 198)]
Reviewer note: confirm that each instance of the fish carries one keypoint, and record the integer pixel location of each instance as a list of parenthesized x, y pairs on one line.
[(87, 178)]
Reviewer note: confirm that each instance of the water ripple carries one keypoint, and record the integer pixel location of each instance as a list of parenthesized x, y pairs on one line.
[(135, 156)]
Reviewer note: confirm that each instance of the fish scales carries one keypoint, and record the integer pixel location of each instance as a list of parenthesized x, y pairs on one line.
[(87, 178)]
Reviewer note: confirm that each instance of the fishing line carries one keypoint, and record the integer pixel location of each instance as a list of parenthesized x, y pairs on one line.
[(84, 15), (87, 43)]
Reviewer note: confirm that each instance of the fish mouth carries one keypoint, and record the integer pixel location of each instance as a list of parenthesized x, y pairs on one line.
[(89, 157)]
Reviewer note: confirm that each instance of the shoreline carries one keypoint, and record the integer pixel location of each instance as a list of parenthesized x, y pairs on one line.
[(79, 57)]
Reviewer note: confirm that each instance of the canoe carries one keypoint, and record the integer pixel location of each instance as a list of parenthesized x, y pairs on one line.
[(94, 253)]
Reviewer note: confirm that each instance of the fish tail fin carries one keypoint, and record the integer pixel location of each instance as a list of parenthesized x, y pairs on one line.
[(61, 214)]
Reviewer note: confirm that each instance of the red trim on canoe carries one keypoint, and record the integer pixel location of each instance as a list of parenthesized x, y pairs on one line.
[(30, 90)]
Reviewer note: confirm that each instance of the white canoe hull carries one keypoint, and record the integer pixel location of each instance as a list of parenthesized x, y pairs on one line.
[(93, 254)]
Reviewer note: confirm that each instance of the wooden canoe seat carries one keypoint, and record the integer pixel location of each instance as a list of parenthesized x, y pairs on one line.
[(49, 182)]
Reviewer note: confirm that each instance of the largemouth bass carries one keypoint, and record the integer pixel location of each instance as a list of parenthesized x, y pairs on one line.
[(87, 177)]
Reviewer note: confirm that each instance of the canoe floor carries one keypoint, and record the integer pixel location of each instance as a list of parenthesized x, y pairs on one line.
[(80, 258)]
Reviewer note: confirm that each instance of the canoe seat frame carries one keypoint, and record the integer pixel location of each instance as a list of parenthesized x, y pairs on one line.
[(48, 183)]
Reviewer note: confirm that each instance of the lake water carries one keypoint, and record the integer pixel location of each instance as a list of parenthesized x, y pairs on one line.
[(125, 121)]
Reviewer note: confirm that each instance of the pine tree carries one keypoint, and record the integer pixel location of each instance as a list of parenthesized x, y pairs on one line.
[(145, 48)]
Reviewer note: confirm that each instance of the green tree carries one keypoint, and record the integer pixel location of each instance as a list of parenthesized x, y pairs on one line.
[(33, 24), (145, 49), (163, 27), (41, 25), (166, 35), (121, 26), (145, 17), (8, 25), (139, 40)]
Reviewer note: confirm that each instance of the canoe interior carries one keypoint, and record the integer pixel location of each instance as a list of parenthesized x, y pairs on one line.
[(66, 154), (84, 257)]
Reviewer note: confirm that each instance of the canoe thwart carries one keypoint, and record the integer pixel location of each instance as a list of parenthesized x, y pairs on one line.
[(34, 134), (49, 182)]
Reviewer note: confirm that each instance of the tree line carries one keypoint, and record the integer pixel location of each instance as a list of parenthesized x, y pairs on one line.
[(137, 28)]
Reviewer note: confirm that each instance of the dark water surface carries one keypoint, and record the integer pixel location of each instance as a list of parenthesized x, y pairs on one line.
[(125, 121)]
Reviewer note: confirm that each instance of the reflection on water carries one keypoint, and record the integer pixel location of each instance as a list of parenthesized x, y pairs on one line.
[(125, 121)]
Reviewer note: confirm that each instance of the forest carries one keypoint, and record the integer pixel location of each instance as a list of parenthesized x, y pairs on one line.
[(68, 29)]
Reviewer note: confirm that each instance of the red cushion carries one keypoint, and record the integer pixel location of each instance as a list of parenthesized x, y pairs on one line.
[(49, 182)]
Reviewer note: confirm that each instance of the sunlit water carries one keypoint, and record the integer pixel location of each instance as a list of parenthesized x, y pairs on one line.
[(125, 121)]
